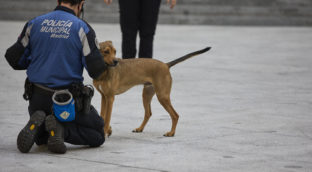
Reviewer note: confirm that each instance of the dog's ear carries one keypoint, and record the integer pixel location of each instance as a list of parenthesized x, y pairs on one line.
[(109, 43), (102, 44)]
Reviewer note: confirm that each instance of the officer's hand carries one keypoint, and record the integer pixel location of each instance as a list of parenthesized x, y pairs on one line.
[(108, 1), (172, 3)]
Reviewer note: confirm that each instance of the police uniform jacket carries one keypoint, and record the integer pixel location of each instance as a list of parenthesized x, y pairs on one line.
[(55, 47)]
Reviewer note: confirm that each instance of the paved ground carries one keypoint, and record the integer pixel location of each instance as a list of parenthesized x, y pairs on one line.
[(244, 106)]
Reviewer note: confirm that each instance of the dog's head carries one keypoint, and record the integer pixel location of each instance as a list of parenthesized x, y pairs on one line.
[(108, 52)]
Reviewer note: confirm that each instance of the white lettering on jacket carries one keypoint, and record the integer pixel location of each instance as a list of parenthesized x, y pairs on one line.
[(56, 28)]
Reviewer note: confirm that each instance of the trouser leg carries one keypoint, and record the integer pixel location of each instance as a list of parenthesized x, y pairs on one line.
[(86, 130), (129, 24), (149, 10), (91, 120), (40, 102), (80, 135)]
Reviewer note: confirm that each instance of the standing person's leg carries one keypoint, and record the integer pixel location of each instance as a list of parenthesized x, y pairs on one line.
[(148, 22), (129, 23)]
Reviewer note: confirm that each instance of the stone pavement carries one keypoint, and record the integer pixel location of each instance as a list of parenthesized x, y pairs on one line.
[(244, 106)]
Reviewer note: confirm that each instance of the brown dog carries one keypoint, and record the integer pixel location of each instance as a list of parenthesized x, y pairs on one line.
[(126, 73)]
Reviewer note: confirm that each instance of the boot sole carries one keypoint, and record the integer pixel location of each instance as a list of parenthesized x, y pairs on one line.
[(26, 137), (55, 143)]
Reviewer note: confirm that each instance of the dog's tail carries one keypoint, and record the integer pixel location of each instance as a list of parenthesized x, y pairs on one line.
[(181, 59)]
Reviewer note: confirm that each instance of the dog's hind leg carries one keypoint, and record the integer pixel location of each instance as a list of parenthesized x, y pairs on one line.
[(148, 93), (163, 94), (166, 103)]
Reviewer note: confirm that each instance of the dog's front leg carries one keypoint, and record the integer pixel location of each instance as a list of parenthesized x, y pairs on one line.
[(103, 107), (109, 108)]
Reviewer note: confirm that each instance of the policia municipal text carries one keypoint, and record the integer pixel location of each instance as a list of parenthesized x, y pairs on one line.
[(54, 48)]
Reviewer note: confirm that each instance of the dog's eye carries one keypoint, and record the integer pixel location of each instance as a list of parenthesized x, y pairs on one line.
[(106, 51)]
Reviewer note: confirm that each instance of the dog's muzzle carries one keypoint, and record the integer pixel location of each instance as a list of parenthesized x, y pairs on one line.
[(113, 65)]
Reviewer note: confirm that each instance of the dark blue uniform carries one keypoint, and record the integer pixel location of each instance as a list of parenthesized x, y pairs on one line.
[(54, 48)]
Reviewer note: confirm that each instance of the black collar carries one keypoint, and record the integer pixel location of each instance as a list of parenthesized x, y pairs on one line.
[(62, 8)]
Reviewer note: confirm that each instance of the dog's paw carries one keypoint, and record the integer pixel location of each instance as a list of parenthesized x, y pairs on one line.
[(137, 130), (169, 134), (108, 132)]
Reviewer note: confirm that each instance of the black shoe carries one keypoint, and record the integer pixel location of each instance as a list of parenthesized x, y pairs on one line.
[(56, 135), (26, 137)]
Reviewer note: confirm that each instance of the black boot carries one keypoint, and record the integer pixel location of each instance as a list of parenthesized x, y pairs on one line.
[(56, 135), (26, 137)]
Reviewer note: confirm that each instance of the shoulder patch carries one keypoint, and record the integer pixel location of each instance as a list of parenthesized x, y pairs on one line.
[(97, 43), (84, 41)]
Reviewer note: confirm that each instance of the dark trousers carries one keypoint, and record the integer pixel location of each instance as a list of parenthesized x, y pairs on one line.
[(138, 16), (86, 129)]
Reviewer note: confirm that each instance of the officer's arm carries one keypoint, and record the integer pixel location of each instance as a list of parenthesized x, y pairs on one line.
[(15, 54), (94, 61)]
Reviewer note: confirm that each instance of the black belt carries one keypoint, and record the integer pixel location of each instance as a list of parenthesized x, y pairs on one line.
[(44, 90)]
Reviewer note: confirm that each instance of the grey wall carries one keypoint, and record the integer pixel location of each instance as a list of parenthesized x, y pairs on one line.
[(220, 12)]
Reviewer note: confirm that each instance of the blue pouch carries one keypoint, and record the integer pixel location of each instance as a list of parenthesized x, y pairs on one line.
[(63, 106)]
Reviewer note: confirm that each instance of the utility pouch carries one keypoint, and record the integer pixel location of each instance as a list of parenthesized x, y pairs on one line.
[(28, 89), (82, 95), (76, 90), (88, 92), (63, 106)]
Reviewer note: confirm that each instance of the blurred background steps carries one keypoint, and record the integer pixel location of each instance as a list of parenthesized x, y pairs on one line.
[(214, 12)]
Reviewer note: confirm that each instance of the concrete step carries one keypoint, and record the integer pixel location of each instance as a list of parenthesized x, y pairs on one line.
[(250, 12)]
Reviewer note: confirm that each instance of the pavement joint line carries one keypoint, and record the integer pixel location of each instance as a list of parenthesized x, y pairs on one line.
[(145, 140), (93, 161), (108, 163), (303, 133), (263, 132)]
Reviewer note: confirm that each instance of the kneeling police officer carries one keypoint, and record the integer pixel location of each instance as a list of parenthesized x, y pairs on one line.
[(54, 48)]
